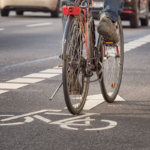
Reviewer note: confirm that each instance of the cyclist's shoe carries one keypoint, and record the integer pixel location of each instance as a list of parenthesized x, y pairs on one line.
[(75, 87), (107, 29)]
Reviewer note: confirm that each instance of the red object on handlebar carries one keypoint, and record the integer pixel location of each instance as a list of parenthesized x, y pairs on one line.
[(71, 10)]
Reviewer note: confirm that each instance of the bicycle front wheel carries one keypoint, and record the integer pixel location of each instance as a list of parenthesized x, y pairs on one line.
[(75, 84), (113, 58)]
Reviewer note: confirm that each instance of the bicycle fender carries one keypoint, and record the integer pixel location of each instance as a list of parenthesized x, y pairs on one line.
[(65, 35)]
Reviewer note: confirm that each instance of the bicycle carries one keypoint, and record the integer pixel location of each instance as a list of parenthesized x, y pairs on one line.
[(102, 57)]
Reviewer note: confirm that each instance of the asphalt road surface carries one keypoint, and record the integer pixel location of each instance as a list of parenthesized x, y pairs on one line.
[(29, 50)]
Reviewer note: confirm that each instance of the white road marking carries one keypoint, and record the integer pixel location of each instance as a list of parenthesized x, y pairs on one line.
[(29, 114), (25, 80), (137, 43), (130, 46), (38, 75), (91, 104), (73, 118), (1, 29), (72, 123), (126, 48), (95, 100), (3, 91), (52, 71), (12, 124), (87, 121), (39, 24), (27, 120), (11, 86), (48, 113), (58, 67), (119, 99), (42, 118), (112, 124), (65, 123)]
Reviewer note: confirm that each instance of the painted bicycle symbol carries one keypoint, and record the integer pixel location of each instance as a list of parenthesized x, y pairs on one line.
[(70, 123)]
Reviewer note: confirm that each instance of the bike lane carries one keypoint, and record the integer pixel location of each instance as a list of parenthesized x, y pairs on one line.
[(121, 125)]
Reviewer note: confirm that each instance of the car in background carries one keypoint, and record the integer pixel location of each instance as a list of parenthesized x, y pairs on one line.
[(134, 10), (20, 6)]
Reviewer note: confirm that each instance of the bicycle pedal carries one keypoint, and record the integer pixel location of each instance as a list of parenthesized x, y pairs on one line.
[(74, 92), (109, 43)]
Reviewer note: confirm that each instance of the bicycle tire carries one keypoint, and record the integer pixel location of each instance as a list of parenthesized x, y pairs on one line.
[(111, 90), (69, 72)]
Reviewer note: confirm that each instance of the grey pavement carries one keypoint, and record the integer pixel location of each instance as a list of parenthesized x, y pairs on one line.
[(25, 50)]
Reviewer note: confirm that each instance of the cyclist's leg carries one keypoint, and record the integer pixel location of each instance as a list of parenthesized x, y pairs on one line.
[(108, 16), (112, 9)]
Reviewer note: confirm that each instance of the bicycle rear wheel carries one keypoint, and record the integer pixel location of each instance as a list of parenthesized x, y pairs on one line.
[(75, 84), (113, 58)]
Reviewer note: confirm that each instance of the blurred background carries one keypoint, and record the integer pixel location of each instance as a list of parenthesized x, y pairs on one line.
[(134, 10)]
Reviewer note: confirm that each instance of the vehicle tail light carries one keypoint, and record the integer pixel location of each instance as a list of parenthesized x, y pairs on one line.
[(71, 10), (128, 12)]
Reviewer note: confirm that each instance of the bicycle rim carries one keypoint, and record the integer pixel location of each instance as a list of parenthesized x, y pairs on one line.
[(113, 58), (75, 84)]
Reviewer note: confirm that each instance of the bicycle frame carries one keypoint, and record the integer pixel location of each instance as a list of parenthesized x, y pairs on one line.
[(76, 10)]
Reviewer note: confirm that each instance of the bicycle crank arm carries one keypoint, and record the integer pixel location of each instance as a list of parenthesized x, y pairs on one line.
[(56, 91)]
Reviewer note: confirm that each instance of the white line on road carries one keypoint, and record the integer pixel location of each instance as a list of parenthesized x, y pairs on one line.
[(25, 80), (95, 100), (38, 75), (67, 125), (74, 118), (42, 118), (52, 71), (92, 103), (39, 24), (48, 113), (3, 91), (11, 86), (29, 114), (137, 43), (1, 29), (27, 120), (57, 67), (112, 124), (12, 124)]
